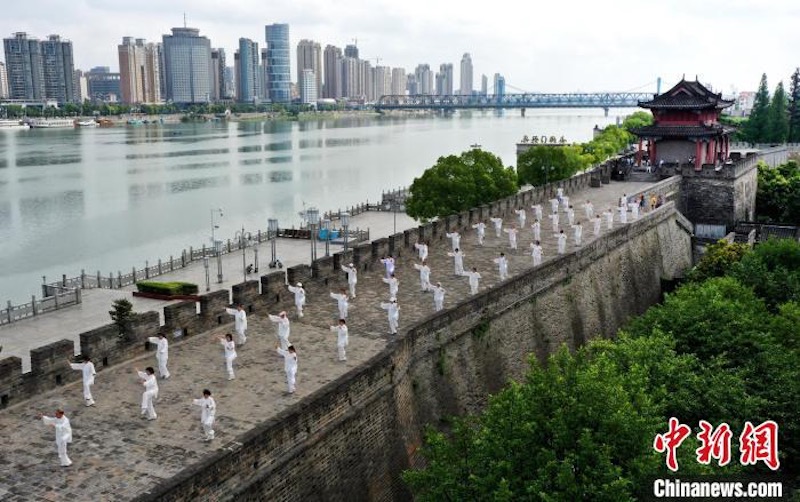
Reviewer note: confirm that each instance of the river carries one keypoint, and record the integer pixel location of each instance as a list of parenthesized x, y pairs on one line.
[(109, 199)]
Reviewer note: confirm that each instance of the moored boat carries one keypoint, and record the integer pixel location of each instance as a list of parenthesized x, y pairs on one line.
[(11, 124), (50, 123), (87, 123)]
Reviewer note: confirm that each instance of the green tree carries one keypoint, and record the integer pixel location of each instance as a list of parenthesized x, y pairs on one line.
[(756, 127), (717, 260), (772, 270), (121, 314), (459, 182), (637, 120), (542, 163), (778, 129), (778, 193), (794, 107)]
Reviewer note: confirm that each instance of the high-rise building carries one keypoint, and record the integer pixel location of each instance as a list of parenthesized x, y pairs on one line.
[(230, 82), (264, 76), (308, 91), (399, 81), (351, 51), (333, 72), (162, 81), (382, 81), (140, 78), (81, 86), (484, 85), (218, 74), (3, 81), (366, 91), (278, 63), (102, 85), (58, 69), (248, 77), (24, 67), (444, 80), (424, 79), (466, 75), (350, 78), (499, 85), (411, 84), (187, 65), (309, 57)]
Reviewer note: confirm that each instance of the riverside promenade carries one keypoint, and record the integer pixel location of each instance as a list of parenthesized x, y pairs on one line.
[(116, 455)]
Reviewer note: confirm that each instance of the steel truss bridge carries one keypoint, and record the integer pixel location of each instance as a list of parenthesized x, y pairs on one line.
[(604, 100)]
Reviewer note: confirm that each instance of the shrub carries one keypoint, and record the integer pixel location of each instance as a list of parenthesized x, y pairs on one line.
[(167, 288)]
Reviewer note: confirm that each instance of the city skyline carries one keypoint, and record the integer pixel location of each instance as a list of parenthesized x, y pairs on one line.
[(609, 48)]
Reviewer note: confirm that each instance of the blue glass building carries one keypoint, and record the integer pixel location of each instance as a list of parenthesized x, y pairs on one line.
[(279, 80)]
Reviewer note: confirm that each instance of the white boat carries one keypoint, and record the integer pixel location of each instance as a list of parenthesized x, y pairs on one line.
[(51, 123), (87, 123), (10, 124)]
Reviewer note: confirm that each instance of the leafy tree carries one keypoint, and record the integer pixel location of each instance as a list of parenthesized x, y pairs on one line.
[(122, 314), (609, 142), (772, 269), (778, 121), (717, 260), (459, 182), (542, 163), (637, 120), (794, 107), (778, 193), (756, 127)]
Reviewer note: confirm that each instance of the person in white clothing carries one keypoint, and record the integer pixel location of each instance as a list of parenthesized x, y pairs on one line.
[(597, 224), (634, 210), (537, 209), (455, 239), (388, 264), (623, 201), (498, 225), (393, 313), (148, 377), (162, 353), (536, 253), (609, 218), (481, 228), (394, 285), (424, 275), (565, 202), (208, 411), (230, 353), (537, 230), (623, 214), (578, 233), (588, 208), (502, 266), (554, 205), (554, 220), (438, 296), (240, 323), (63, 434), (422, 249), (521, 216), (284, 328), (562, 242), (289, 366), (352, 278), (342, 339), (458, 261), (299, 297), (560, 193), (341, 302), (88, 373), (512, 236), (570, 216), (474, 277)]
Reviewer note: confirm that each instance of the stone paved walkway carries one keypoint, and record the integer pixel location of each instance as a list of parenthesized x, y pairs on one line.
[(117, 455)]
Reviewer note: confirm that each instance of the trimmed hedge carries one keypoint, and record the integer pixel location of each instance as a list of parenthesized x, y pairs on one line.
[(167, 288)]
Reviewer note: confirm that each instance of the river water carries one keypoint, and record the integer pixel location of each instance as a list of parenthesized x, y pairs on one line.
[(109, 199)]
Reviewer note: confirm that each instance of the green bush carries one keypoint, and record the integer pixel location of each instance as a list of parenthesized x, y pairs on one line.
[(167, 288)]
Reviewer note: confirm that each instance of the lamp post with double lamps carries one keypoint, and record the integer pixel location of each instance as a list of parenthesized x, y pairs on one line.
[(244, 239), (217, 245), (312, 217), (272, 231), (345, 218)]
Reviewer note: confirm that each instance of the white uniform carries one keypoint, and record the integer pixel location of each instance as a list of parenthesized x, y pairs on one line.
[(473, 281), (537, 230), (562, 242), (481, 228), (150, 393), (162, 354), (299, 298), (502, 266), (394, 285), (284, 328), (536, 253), (498, 225), (63, 436), (424, 276), (565, 202), (393, 313), (290, 367), (578, 229), (554, 219), (352, 279), (537, 209), (609, 219), (570, 216), (623, 201), (455, 239), (512, 237), (240, 324), (88, 373), (438, 297), (597, 223), (623, 214), (341, 301), (230, 355), (388, 263), (634, 210), (342, 340), (559, 193), (208, 411), (458, 261), (588, 207), (521, 216), (554, 204), (422, 249)]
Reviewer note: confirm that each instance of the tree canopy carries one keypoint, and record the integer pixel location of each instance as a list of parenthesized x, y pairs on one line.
[(778, 193), (460, 182), (542, 163)]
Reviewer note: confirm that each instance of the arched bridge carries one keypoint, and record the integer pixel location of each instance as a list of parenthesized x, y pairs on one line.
[(603, 100)]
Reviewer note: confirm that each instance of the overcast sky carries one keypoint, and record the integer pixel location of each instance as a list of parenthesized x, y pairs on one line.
[(558, 46)]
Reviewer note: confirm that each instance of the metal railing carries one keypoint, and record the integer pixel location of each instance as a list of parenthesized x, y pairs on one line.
[(56, 297)]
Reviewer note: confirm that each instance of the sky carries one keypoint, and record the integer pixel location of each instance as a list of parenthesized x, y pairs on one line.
[(557, 46)]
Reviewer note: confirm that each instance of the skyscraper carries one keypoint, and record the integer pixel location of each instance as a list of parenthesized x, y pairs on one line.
[(444, 80), (187, 65), (308, 91), (351, 51), (278, 63), (58, 69), (424, 79), (309, 57), (382, 81), (81, 86), (399, 81), (350, 78), (140, 78), (466, 75), (264, 75), (484, 85), (248, 78), (218, 74), (102, 85), (366, 90), (333, 72), (24, 67), (499, 85), (411, 84), (3, 81)]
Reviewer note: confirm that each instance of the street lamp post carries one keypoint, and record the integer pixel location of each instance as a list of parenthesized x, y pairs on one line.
[(217, 245), (244, 239), (272, 229), (312, 216), (208, 279), (345, 218), (326, 224)]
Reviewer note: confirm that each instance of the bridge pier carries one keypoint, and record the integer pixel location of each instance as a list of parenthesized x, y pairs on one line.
[(522, 111), (605, 110)]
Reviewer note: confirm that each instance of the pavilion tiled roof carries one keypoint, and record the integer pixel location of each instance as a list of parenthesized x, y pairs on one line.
[(687, 95), (682, 131)]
